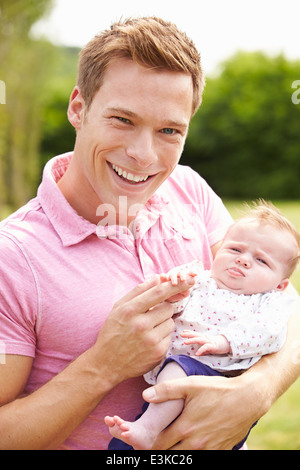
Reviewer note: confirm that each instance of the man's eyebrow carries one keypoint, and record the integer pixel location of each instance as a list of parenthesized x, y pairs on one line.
[(122, 111), (171, 123)]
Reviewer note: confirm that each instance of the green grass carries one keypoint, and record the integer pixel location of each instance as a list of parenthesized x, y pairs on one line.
[(280, 428)]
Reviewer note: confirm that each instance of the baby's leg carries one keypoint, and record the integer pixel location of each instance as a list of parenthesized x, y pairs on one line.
[(141, 434)]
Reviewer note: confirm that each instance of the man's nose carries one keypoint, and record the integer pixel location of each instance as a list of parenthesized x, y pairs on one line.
[(142, 148)]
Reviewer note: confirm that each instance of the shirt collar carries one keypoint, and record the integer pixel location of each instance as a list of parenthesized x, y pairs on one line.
[(70, 227)]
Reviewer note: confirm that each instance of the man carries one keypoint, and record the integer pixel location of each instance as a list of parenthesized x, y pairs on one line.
[(79, 322)]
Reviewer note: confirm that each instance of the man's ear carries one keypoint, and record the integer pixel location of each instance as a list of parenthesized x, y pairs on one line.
[(76, 108), (283, 284)]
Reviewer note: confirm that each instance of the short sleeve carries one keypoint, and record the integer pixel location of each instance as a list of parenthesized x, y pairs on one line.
[(209, 206), (18, 300), (217, 219)]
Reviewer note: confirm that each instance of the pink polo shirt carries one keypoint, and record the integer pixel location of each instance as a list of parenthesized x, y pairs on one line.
[(60, 276)]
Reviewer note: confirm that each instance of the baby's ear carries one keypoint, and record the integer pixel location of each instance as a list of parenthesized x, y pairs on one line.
[(283, 285)]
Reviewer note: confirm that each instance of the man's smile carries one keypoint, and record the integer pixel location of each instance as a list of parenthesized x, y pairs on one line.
[(130, 177)]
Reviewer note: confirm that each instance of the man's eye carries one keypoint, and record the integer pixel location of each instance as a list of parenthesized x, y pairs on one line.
[(122, 119), (168, 131)]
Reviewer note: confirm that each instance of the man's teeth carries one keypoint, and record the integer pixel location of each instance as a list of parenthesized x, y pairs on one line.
[(129, 176)]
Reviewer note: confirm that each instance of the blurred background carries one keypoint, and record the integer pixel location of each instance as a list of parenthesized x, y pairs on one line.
[(244, 140)]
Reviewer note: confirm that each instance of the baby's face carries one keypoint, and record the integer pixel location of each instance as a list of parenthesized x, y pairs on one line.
[(253, 258)]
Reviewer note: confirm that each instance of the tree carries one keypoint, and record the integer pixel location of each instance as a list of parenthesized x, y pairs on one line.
[(245, 138), (25, 65), (58, 136)]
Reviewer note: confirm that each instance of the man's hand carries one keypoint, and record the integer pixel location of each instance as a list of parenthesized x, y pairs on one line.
[(214, 417), (136, 335)]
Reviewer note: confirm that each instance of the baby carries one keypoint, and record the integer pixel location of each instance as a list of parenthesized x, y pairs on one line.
[(236, 313)]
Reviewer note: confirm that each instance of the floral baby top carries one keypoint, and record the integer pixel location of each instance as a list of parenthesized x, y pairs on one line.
[(254, 325)]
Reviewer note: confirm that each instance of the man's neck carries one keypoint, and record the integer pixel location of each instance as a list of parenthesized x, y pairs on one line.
[(79, 194)]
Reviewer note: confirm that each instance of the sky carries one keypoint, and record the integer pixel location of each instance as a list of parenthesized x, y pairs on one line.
[(219, 28)]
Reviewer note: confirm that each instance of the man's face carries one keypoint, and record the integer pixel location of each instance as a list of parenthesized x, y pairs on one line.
[(133, 134)]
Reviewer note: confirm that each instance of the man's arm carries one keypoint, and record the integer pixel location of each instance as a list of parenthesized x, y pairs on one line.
[(137, 331), (219, 411), (44, 419)]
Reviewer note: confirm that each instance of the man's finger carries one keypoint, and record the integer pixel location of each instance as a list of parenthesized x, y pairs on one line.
[(145, 296), (164, 291), (168, 390), (140, 288)]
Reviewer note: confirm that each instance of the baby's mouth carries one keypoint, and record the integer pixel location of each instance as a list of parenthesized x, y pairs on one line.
[(236, 272)]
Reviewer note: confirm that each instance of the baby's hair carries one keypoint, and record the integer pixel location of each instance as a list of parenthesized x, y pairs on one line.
[(266, 213)]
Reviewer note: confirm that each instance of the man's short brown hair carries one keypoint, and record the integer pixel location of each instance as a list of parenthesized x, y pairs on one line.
[(150, 42)]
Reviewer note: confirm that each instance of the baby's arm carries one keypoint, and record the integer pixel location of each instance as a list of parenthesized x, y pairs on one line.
[(209, 344)]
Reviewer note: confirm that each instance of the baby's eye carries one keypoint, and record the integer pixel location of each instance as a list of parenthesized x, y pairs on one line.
[(260, 260)]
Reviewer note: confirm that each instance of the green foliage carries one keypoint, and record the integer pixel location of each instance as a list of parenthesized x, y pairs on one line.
[(33, 123), (16, 19), (244, 140), (25, 68), (58, 136)]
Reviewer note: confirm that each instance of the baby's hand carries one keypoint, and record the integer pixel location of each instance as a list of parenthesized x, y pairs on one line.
[(175, 278), (210, 344), (178, 273)]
